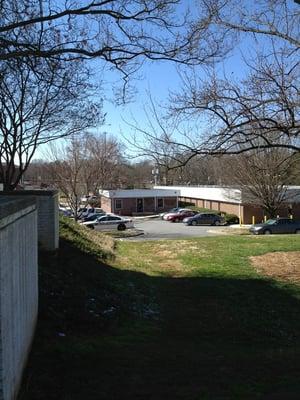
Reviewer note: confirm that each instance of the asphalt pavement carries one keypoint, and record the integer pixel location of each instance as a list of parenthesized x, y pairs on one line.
[(158, 229)]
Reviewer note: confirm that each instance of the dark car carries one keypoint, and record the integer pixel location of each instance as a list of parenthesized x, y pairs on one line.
[(92, 217), (180, 215), (204, 219), (278, 225)]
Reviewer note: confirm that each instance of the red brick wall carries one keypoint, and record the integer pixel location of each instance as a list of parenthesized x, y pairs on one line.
[(256, 211), (200, 203), (215, 205), (149, 204), (229, 208), (169, 202), (129, 205), (296, 211), (247, 210)]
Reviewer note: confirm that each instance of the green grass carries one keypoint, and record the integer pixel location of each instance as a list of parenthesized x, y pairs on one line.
[(188, 319)]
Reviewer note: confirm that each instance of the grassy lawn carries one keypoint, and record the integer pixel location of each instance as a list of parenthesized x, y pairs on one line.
[(185, 319)]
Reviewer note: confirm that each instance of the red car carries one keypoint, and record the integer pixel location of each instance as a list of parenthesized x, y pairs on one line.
[(179, 216)]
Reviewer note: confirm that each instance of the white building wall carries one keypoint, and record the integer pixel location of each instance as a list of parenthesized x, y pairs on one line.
[(18, 290)]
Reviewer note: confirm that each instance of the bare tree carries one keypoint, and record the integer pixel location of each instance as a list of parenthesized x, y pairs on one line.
[(38, 105), (262, 175), (154, 140), (119, 32), (38, 174), (275, 19), (261, 111), (66, 168), (220, 114), (39, 36), (103, 161)]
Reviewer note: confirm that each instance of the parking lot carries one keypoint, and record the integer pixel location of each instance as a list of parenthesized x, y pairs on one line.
[(158, 229)]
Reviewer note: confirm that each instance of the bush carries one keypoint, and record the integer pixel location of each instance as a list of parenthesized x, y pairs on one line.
[(204, 210), (184, 204), (231, 218)]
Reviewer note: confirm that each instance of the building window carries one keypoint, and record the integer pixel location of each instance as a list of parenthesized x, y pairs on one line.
[(160, 203), (118, 204)]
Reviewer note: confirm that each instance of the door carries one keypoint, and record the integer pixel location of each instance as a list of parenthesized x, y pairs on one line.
[(139, 205)]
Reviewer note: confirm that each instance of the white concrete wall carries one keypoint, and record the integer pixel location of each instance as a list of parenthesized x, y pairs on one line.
[(18, 290), (48, 218)]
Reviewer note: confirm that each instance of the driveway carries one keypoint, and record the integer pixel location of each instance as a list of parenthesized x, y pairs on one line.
[(158, 229)]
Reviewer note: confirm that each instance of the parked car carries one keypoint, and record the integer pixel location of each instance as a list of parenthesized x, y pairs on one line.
[(204, 219), (180, 210), (110, 222), (88, 198), (180, 215), (277, 225), (65, 211), (173, 210), (92, 217), (87, 211)]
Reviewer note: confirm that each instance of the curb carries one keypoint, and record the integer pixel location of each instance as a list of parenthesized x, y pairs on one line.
[(138, 232), (145, 217)]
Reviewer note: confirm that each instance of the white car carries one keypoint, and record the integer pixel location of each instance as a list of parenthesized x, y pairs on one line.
[(110, 222)]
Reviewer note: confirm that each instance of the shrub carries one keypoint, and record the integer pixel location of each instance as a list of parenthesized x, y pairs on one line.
[(205, 210), (231, 218)]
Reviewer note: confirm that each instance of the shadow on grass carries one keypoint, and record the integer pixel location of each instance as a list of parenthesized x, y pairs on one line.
[(112, 334)]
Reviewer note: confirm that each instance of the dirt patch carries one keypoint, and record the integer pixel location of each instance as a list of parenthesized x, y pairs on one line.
[(177, 247), (284, 266), (172, 265)]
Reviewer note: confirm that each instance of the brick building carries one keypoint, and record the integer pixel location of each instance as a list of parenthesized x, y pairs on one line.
[(138, 201), (230, 200)]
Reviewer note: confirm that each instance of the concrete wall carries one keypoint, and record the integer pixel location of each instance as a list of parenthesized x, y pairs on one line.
[(18, 289), (47, 208)]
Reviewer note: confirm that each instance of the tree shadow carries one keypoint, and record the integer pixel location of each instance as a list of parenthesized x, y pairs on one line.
[(106, 333)]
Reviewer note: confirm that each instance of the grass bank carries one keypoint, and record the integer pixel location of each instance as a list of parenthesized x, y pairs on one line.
[(188, 319)]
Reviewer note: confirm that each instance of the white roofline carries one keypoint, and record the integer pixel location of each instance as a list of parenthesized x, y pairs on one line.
[(227, 194), (143, 193), (210, 193)]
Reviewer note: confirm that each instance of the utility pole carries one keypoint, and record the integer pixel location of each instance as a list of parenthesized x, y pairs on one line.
[(155, 173)]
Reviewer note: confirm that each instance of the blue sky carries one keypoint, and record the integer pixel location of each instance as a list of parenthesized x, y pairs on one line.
[(157, 78)]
